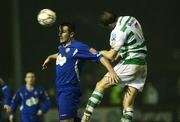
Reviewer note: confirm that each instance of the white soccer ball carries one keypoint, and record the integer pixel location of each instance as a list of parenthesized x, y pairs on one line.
[(46, 17)]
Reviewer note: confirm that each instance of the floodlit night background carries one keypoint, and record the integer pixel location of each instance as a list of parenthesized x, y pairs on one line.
[(25, 44)]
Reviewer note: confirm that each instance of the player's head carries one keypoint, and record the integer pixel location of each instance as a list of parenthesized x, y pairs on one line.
[(30, 78), (108, 19), (66, 32)]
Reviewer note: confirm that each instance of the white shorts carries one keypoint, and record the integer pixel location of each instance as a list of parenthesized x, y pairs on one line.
[(131, 75)]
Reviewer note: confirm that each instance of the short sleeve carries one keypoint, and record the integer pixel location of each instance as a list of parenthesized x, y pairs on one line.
[(117, 39), (85, 52)]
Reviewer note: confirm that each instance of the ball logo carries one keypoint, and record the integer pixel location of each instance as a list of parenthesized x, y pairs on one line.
[(60, 60), (32, 101)]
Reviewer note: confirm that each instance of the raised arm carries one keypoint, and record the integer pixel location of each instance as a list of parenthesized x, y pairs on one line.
[(111, 54), (48, 59)]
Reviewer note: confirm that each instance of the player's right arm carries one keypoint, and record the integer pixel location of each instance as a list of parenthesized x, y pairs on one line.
[(16, 101), (7, 95), (48, 59), (91, 54)]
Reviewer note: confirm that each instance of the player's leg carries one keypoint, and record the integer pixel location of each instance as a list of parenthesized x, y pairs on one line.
[(134, 77), (68, 103), (128, 103), (95, 98)]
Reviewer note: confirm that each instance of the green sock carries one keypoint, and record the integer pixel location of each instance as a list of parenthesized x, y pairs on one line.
[(93, 101), (127, 115)]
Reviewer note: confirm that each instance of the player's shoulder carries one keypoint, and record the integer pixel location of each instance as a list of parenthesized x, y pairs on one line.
[(78, 44), (22, 89), (39, 87), (125, 19)]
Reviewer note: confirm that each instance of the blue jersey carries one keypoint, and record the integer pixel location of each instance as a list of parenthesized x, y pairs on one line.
[(31, 101), (70, 61), (6, 92)]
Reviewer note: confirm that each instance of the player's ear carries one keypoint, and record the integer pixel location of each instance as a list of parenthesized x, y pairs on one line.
[(72, 34)]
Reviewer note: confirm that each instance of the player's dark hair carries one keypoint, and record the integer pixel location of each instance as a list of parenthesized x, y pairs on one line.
[(107, 17), (29, 71), (70, 25)]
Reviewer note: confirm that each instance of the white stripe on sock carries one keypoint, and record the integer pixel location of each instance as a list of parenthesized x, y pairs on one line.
[(98, 93), (94, 100)]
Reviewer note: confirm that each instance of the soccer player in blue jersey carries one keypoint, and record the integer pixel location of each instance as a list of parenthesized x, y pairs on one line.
[(4, 89), (33, 100), (70, 58)]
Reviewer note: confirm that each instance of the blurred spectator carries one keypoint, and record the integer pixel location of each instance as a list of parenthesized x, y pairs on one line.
[(150, 95)]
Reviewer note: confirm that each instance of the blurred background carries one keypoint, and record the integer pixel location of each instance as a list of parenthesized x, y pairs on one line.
[(25, 44)]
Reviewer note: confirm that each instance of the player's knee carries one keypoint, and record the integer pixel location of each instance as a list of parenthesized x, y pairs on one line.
[(102, 85)]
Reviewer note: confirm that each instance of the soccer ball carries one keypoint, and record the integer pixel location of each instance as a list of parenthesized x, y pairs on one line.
[(46, 17)]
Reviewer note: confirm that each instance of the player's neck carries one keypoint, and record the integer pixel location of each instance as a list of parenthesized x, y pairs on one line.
[(113, 25), (68, 43), (29, 87)]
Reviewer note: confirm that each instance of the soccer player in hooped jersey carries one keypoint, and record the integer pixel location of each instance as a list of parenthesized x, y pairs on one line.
[(33, 100), (70, 58), (127, 42)]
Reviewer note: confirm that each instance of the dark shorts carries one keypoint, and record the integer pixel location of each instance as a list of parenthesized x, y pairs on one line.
[(68, 100)]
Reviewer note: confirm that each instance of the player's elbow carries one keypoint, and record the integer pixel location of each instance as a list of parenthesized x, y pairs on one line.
[(111, 57)]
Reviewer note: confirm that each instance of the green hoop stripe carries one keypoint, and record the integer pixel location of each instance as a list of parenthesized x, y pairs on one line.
[(96, 96), (124, 26), (92, 104), (137, 61)]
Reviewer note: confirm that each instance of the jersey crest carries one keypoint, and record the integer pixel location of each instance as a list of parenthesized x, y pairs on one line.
[(32, 101), (61, 60)]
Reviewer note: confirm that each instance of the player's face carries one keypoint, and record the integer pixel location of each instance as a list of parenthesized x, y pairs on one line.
[(30, 78), (64, 35)]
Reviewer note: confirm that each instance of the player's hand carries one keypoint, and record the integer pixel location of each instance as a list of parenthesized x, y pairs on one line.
[(44, 66), (39, 113), (113, 78), (1, 81), (11, 118), (7, 108)]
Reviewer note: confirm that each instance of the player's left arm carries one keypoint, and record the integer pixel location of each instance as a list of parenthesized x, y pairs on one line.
[(45, 103), (111, 54)]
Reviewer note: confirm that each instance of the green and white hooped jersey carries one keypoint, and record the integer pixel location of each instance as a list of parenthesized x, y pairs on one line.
[(127, 38)]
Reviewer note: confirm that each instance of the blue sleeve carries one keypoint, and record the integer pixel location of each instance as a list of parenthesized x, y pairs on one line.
[(16, 101), (45, 102), (6, 92), (85, 52)]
